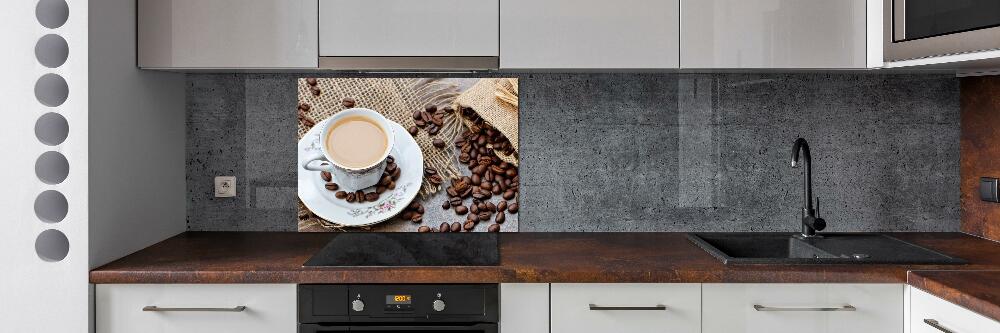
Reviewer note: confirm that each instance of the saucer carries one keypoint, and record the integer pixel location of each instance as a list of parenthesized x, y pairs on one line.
[(323, 203)]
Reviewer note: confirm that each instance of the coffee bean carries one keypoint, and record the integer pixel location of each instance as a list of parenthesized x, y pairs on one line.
[(437, 120), (433, 130), (512, 208), (315, 91), (413, 130), (511, 172), (430, 108), (351, 197), (476, 180), (425, 116), (420, 209), (417, 218), (438, 143), (332, 186), (491, 207), (395, 174), (483, 207), (508, 195), (502, 205), (494, 228), (389, 168), (390, 159), (452, 192), (461, 210), (416, 115), (469, 225), (340, 195), (326, 176), (497, 190), (484, 216), (496, 169), (444, 227), (464, 158), (435, 179), (420, 123), (386, 179), (473, 217), (424, 228), (312, 81), (456, 227), (479, 170), (474, 209), (407, 214), (392, 185), (348, 102), (500, 217), (380, 189), (371, 196), (304, 107), (446, 205)]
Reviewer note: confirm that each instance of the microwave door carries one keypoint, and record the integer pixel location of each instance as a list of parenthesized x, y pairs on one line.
[(916, 29)]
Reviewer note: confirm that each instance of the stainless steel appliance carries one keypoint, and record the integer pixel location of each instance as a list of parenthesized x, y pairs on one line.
[(384, 308), (916, 29)]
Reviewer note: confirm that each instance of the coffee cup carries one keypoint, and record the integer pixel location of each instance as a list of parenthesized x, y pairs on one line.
[(354, 146)]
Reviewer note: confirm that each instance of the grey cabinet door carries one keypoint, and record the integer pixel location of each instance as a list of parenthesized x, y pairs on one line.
[(773, 34), (227, 33), (409, 28), (589, 34)]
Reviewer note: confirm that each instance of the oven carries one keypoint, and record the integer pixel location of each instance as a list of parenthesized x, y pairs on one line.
[(916, 29), (385, 308)]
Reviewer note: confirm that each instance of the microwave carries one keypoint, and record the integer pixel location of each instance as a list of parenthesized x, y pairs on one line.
[(915, 29)]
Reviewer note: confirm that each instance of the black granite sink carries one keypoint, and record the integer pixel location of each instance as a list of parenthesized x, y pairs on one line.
[(832, 248)]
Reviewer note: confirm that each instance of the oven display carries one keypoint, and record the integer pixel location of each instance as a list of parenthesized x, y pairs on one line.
[(398, 303), (398, 299)]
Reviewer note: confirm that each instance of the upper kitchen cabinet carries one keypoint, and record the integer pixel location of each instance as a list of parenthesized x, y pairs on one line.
[(780, 34), (192, 34), (408, 34), (582, 34)]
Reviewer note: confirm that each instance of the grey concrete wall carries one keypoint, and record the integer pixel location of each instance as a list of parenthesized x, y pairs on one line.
[(641, 152)]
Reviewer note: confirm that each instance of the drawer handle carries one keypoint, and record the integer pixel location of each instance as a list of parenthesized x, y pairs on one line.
[(595, 307), (935, 324), (848, 307), (159, 309)]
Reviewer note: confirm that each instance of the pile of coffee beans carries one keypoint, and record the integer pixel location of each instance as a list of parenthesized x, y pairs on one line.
[(388, 182), (312, 86), (414, 212), (304, 115), (430, 119), (491, 179)]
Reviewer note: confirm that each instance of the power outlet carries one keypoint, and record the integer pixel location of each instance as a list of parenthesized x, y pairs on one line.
[(225, 187)]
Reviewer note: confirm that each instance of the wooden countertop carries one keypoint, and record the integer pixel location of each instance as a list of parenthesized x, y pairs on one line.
[(277, 257), (269, 257), (973, 290)]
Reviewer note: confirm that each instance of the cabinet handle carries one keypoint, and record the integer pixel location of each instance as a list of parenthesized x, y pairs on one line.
[(159, 309), (595, 307), (935, 324), (848, 307)]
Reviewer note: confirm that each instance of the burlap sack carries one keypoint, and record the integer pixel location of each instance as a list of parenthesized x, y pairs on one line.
[(495, 100), (396, 99)]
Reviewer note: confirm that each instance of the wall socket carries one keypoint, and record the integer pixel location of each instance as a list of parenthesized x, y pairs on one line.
[(225, 186)]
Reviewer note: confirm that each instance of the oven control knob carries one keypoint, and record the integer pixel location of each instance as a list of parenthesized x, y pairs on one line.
[(438, 305), (358, 305)]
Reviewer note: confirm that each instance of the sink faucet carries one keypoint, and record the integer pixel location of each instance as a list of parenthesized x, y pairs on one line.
[(810, 221)]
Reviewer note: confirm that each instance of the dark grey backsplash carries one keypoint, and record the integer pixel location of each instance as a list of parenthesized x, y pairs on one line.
[(640, 152)]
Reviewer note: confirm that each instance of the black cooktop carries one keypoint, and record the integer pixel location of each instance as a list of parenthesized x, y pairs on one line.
[(409, 249)]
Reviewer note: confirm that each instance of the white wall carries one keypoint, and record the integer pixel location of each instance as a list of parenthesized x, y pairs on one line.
[(38, 295), (137, 184)]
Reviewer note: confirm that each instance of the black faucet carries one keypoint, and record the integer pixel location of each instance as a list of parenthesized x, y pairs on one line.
[(811, 222)]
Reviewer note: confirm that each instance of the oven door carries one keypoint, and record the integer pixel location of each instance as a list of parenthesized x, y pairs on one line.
[(475, 328), (916, 29)]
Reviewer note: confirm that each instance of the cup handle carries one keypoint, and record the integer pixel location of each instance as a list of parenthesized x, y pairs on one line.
[(317, 156)]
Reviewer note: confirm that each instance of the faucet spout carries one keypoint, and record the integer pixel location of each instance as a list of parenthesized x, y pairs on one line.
[(810, 222)]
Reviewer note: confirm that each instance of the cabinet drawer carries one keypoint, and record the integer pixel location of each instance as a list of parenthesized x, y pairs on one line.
[(623, 307), (268, 308), (802, 308), (946, 315)]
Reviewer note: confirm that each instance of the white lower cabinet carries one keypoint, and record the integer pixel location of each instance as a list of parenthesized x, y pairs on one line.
[(802, 308), (195, 308), (524, 308), (930, 314), (625, 307)]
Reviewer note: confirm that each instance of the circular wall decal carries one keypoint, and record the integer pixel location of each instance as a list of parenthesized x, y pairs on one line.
[(51, 128), (51, 51), (52, 167), (52, 13), (51, 206), (51, 90), (52, 245)]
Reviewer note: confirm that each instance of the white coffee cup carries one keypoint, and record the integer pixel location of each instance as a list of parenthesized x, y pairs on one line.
[(351, 178)]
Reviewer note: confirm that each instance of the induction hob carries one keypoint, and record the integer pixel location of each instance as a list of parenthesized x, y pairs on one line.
[(409, 249)]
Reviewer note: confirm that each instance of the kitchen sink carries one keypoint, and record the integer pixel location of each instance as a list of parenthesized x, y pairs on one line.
[(831, 248)]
